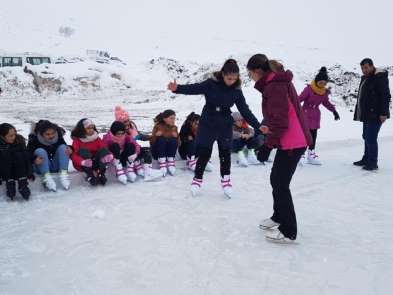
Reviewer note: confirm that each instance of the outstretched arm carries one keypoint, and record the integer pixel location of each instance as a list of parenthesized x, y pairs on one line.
[(190, 89)]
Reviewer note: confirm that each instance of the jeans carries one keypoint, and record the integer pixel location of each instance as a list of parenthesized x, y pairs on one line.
[(58, 163), (370, 136)]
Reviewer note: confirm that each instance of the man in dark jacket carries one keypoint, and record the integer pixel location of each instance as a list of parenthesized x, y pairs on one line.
[(372, 109)]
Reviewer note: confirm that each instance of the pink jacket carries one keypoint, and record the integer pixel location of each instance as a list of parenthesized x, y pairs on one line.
[(311, 102), (110, 139), (282, 112)]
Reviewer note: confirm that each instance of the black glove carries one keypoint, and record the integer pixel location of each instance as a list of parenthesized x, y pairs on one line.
[(31, 177), (336, 116), (263, 153)]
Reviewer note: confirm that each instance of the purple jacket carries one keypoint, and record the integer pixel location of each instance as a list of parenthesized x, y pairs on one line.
[(311, 102), (276, 88)]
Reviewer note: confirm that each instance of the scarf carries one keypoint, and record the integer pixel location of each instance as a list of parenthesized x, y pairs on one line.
[(46, 142), (317, 90), (90, 138)]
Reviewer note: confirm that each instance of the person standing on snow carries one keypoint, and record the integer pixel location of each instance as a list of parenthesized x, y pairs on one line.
[(372, 109), (312, 97), (221, 92), (285, 130)]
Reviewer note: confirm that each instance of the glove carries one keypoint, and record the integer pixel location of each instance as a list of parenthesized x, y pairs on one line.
[(132, 158), (31, 177), (88, 163), (263, 153), (336, 116), (107, 159)]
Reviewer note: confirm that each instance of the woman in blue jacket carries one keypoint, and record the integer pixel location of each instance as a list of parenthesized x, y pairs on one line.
[(221, 92)]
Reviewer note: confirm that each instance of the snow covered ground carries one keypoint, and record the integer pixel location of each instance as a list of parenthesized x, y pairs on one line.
[(154, 238)]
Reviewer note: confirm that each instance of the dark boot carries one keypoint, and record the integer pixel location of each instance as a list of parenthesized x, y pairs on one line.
[(11, 189), (360, 163), (102, 178), (23, 187), (90, 178), (370, 167)]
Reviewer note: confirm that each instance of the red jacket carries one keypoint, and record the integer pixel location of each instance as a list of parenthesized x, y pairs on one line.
[(275, 89), (92, 147)]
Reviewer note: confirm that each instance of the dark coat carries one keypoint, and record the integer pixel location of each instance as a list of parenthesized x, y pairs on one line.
[(34, 144), (216, 120), (277, 90), (373, 97), (8, 151)]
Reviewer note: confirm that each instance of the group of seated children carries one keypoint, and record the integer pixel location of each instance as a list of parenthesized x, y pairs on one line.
[(47, 154)]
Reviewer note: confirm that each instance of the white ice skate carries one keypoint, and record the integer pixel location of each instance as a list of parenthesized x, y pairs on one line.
[(191, 163), (242, 159), (209, 167), (275, 236), (64, 179), (120, 174), (268, 224), (196, 187), (252, 158), (312, 158), (49, 182), (163, 166), (130, 172), (227, 186), (171, 164)]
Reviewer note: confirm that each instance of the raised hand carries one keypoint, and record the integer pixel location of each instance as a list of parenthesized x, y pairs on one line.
[(172, 86)]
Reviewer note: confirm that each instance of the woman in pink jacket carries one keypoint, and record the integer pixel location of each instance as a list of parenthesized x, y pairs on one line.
[(124, 149), (285, 129), (312, 97)]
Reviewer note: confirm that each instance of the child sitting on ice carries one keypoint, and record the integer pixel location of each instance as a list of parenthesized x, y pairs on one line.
[(188, 146), (15, 164), (244, 141), (164, 141), (143, 163), (90, 154), (125, 151)]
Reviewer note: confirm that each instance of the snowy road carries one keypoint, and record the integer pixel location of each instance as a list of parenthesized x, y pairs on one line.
[(156, 239)]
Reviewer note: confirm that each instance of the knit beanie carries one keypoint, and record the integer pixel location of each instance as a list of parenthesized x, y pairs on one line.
[(322, 75), (117, 126), (121, 114)]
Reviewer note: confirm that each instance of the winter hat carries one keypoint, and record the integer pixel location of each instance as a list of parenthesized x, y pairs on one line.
[(237, 116), (121, 114), (322, 75), (117, 126), (87, 123)]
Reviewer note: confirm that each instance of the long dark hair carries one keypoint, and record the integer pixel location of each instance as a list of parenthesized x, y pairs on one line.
[(191, 118), (79, 130), (43, 125), (258, 62), (5, 128), (229, 67), (159, 119)]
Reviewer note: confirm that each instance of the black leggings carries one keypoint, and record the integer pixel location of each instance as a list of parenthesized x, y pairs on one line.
[(14, 165), (284, 167), (129, 149), (314, 134), (204, 154)]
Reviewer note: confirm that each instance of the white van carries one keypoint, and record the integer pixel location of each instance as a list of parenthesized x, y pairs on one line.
[(20, 60)]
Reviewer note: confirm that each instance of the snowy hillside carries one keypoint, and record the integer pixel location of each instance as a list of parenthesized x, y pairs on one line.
[(154, 238)]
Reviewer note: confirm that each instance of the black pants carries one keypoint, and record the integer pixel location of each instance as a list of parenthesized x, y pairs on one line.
[(284, 167), (129, 149), (96, 159), (204, 154), (145, 155), (14, 165), (314, 134)]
